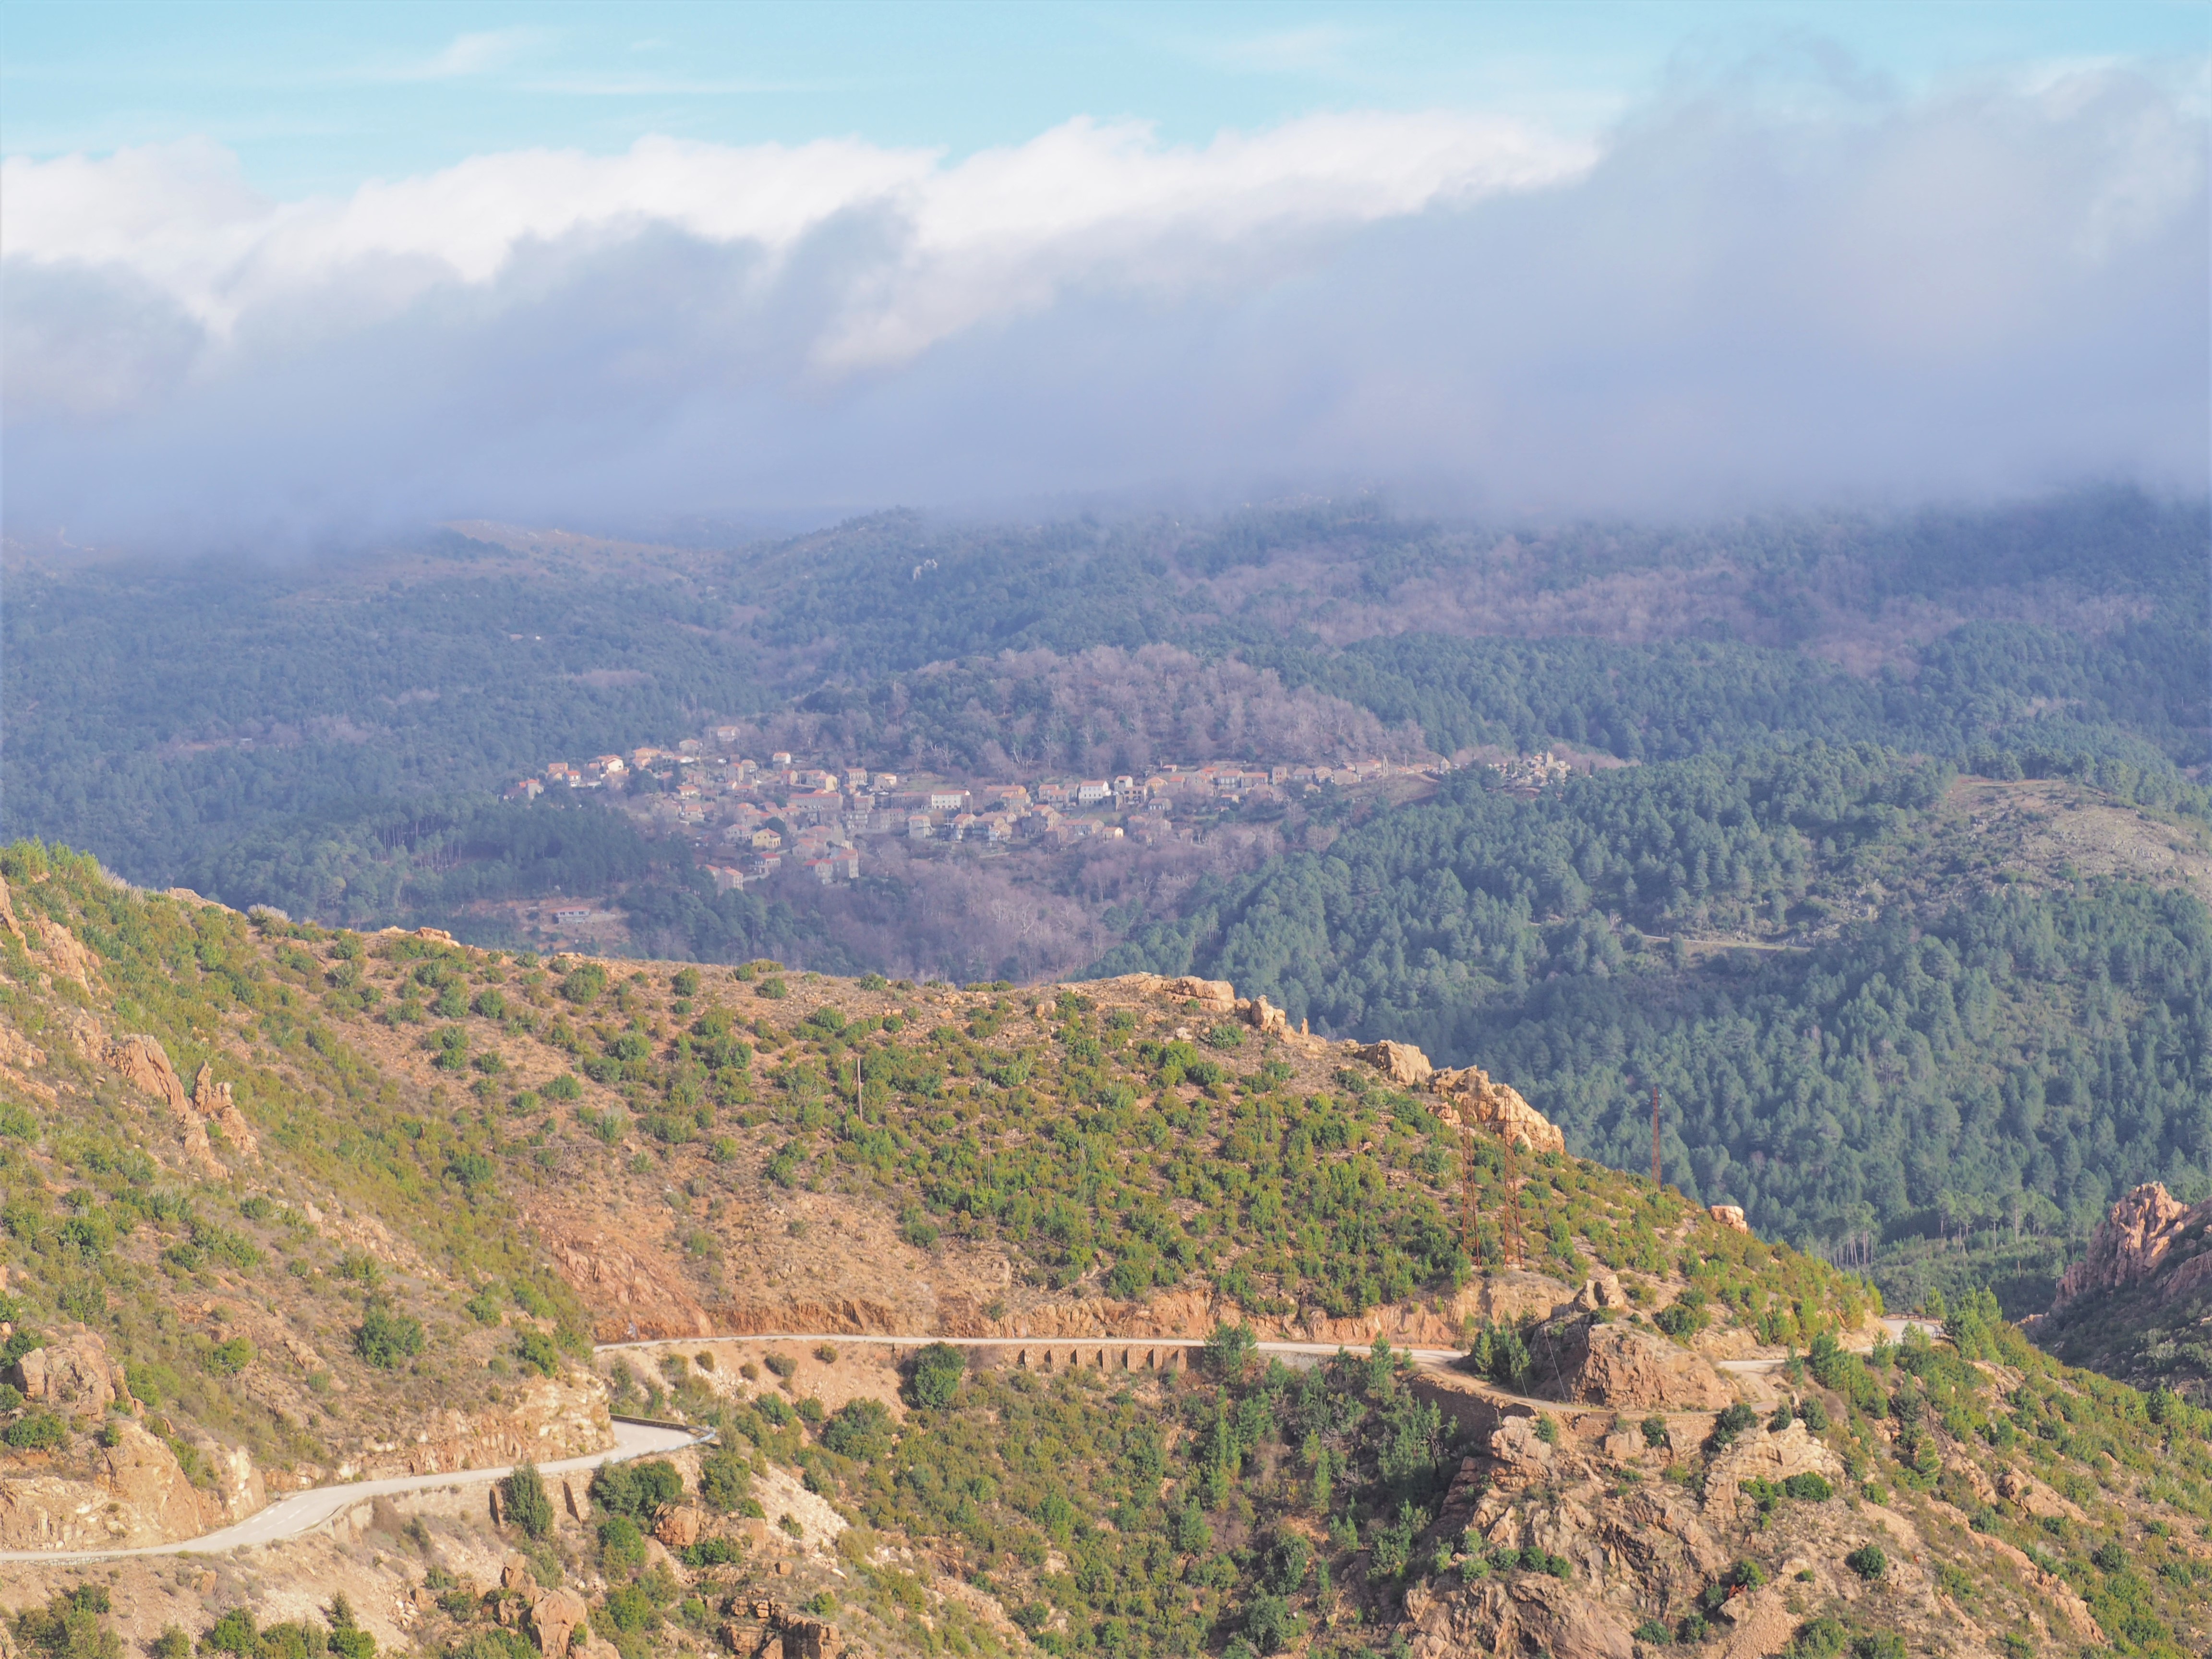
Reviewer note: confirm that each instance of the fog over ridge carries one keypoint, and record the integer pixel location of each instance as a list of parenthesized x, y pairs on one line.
[(1733, 301)]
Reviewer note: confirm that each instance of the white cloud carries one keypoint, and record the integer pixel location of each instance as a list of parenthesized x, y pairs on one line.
[(1004, 227), (1989, 289)]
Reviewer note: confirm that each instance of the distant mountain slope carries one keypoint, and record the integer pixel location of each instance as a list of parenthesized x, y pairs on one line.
[(1877, 1002), (312, 737)]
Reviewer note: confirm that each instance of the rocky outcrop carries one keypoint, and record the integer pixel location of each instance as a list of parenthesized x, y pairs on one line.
[(1580, 1360), (156, 1503), (1765, 1455), (553, 1616), (1526, 1614), (1472, 1099), (72, 1374), (1212, 996), (135, 1492), (547, 1419), (144, 1065), (1730, 1216), (2150, 1236), (1400, 1062), (212, 1101), (65, 956), (634, 1288)]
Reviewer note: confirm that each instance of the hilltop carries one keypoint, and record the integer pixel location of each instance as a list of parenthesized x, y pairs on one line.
[(287, 1203)]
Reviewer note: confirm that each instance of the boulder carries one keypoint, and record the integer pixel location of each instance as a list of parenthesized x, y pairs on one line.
[(1264, 1016), (2016, 1486), (1760, 1623), (1729, 1215), (1575, 1358), (678, 1527), (553, 1616), (1603, 1290), (514, 1574), (72, 1371)]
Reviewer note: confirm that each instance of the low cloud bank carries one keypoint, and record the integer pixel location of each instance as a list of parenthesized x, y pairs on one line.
[(1992, 290)]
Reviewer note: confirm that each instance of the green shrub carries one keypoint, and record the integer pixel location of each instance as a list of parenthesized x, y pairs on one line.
[(1654, 1633), (1655, 1431), (1868, 1561), (1730, 1423), (233, 1633), (1808, 1487), (1821, 1638), (937, 1372), (228, 1356), (39, 1430), (1685, 1316), (637, 1489), (564, 1088), (712, 1552), (535, 1351), (621, 1543), (70, 1625), (861, 1429), (725, 1481), (385, 1339), (585, 985), (528, 1504), (1268, 1622)]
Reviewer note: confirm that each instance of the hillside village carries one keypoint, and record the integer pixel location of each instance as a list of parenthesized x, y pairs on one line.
[(757, 819)]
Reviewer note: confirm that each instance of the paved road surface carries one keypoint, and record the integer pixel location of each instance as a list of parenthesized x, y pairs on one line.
[(290, 1516), (1319, 1350), (304, 1510)]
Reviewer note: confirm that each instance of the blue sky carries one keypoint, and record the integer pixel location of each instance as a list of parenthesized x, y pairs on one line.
[(316, 98), (294, 272)]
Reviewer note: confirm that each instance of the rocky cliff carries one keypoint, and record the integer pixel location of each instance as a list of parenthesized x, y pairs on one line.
[(2138, 1304)]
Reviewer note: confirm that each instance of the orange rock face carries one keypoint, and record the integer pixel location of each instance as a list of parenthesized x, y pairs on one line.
[(2148, 1235), (1496, 1109)]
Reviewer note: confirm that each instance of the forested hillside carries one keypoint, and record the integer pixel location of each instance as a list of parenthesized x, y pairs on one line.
[(1878, 1017), (275, 735), (1913, 1036)]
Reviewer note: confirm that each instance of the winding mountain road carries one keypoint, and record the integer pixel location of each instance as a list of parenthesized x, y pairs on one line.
[(303, 1511)]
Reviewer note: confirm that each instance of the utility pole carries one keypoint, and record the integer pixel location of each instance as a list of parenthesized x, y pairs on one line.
[(1654, 1135)]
